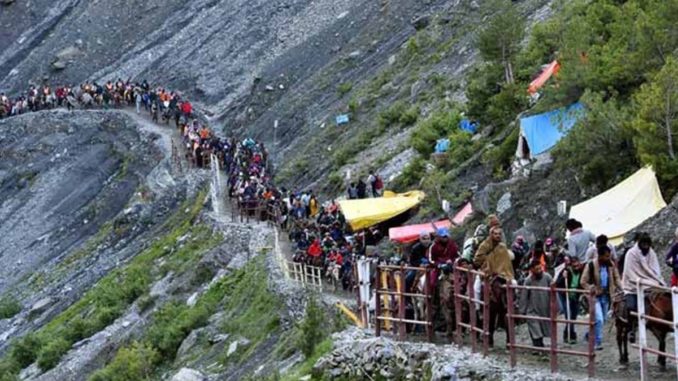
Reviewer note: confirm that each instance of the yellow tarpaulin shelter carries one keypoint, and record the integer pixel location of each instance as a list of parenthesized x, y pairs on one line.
[(364, 213), (623, 207)]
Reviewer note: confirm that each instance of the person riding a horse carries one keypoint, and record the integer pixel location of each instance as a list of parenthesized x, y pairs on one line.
[(641, 263), (494, 259)]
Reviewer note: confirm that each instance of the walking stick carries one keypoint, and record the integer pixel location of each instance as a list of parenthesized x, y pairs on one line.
[(567, 305)]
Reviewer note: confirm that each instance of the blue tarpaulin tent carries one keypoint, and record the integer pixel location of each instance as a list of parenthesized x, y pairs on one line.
[(442, 145), (468, 126), (541, 132), (342, 119)]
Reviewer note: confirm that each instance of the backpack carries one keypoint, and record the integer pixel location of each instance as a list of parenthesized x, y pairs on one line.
[(378, 183)]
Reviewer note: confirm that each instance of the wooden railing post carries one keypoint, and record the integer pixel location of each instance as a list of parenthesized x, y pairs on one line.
[(458, 304), (377, 305), (472, 314), (429, 305), (642, 332), (402, 329), (592, 325), (486, 316), (511, 323), (554, 328)]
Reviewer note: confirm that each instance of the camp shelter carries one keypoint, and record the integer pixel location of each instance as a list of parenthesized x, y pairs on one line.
[(367, 212), (462, 214), (623, 207), (539, 133), (468, 126), (410, 233), (548, 71), (342, 119)]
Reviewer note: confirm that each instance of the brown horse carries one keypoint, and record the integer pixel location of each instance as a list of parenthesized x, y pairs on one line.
[(658, 304), (498, 307)]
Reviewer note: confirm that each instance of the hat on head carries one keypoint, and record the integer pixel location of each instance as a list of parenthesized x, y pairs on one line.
[(443, 232)]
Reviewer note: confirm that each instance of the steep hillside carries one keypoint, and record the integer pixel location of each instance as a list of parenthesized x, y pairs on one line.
[(115, 265)]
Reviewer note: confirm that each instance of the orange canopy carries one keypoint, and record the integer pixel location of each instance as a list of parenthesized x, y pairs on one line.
[(550, 70)]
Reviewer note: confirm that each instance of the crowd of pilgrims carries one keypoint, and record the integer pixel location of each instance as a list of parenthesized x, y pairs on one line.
[(320, 233)]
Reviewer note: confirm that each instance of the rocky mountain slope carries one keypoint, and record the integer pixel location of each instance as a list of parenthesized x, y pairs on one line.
[(104, 237)]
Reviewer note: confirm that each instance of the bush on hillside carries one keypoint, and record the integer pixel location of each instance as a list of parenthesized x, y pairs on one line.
[(9, 307), (439, 125), (312, 329), (133, 363)]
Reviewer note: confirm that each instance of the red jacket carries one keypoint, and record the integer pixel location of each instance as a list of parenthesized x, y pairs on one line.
[(315, 250), (186, 107), (439, 254)]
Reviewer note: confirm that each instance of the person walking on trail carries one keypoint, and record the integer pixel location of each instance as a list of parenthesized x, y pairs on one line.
[(520, 249), (443, 251), (352, 191), (537, 254), (362, 189), (137, 100), (471, 245), (376, 184), (418, 253), (640, 263), (601, 241), (672, 259), (536, 303), (493, 257), (601, 274), (569, 278), (578, 242)]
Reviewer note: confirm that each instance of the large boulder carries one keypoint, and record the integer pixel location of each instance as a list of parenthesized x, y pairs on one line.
[(187, 374), (64, 57)]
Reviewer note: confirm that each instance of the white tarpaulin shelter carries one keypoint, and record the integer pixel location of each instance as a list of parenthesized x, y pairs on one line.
[(623, 207)]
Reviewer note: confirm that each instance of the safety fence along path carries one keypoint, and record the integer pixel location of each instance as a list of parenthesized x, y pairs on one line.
[(645, 319), (390, 301), (553, 350)]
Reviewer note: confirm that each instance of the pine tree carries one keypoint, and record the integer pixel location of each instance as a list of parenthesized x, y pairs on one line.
[(656, 122), (500, 41)]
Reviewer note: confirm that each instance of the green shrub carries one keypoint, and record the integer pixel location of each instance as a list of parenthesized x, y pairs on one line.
[(344, 88), (410, 116), (411, 174), (392, 114), (500, 157), (8, 370), (51, 354), (439, 125), (353, 106), (130, 364), (9, 307), (312, 329), (24, 351), (412, 48)]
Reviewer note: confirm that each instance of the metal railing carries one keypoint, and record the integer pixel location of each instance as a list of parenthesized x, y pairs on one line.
[(309, 276), (553, 350), (644, 318), (472, 301), (391, 292)]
